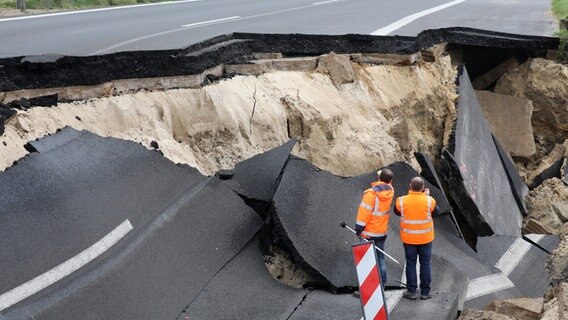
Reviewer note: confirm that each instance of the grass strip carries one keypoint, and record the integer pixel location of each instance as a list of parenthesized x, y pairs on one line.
[(560, 8), (72, 4)]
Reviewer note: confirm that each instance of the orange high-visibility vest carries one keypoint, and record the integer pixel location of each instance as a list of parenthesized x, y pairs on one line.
[(373, 213), (416, 224)]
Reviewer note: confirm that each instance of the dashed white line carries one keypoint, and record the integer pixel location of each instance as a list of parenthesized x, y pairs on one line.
[(325, 2), (123, 43), (66, 268), (57, 14), (202, 23), (408, 19), (120, 44)]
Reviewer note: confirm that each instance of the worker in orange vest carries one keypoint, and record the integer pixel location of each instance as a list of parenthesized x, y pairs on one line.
[(373, 215), (417, 233)]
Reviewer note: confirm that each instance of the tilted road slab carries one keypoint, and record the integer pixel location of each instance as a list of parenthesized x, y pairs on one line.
[(256, 179), (475, 175), (522, 262), (120, 231)]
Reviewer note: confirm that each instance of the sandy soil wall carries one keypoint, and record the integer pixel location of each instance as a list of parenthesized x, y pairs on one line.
[(383, 114)]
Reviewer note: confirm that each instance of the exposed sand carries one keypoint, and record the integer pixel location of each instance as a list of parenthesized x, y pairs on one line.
[(387, 113)]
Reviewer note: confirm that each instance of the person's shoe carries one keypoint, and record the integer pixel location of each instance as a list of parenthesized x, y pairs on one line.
[(425, 296), (409, 295)]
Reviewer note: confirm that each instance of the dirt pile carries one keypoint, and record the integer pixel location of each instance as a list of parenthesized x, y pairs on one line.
[(383, 115), (548, 204), (521, 308), (557, 264), (545, 82)]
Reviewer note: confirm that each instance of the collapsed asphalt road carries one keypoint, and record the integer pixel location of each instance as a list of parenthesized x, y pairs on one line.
[(185, 254), (105, 228)]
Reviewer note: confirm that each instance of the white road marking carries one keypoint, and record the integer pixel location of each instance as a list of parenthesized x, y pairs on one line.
[(123, 43), (489, 284), (209, 22), (325, 2), (408, 19), (535, 237), (66, 268), (513, 256), (393, 298), (507, 263), (66, 13), (107, 49)]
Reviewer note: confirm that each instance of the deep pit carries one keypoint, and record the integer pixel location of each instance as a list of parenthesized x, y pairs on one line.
[(353, 103)]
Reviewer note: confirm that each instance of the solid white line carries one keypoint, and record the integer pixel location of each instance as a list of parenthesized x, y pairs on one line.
[(507, 263), (324, 2), (393, 298), (66, 268), (513, 256), (489, 284), (209, 22), (408, 19), (56, 14), (535, 237)]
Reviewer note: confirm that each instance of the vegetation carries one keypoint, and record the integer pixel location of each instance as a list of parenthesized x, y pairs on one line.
[(563, 46), (560, 8), (71, 4)]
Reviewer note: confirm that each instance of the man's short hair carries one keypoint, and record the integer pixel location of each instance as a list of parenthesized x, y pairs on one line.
[(417, 184), (385, 175)]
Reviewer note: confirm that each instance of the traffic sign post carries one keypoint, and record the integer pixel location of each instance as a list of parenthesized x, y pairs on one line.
[(371, 291)]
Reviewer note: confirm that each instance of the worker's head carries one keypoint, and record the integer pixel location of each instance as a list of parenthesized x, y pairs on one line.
[(417, 184), (385, 175)]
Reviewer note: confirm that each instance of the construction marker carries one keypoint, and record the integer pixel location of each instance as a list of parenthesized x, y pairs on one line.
[(343, 225)]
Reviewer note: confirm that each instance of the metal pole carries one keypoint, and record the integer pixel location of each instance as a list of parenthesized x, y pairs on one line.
[(343, 225)]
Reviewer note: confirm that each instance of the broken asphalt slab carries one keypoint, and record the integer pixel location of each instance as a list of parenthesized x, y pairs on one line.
[(474, 173), (518, 186), (244, 289), (265, 298), (256, 179), (310, 203), (428, 171), (307, 208), (521, 261), (90, 185), (54, 141)]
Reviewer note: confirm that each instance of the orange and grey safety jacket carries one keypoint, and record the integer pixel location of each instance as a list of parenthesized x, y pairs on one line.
[(373, 212), (415, 211)]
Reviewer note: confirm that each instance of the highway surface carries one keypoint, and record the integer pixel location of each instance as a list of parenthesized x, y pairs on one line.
[(178, 24)]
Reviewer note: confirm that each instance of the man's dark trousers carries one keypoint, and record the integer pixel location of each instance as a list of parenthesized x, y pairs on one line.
[(424, 253), (380, 242)]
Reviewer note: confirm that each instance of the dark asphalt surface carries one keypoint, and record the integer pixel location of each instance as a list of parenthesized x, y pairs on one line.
[(530, 275), (485, 177), (171, 26), (61, 201)]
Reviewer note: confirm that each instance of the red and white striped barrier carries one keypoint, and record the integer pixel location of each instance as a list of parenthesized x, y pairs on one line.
[(370, 289)]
